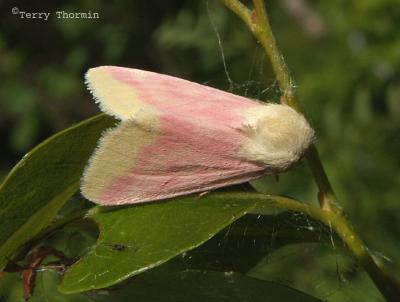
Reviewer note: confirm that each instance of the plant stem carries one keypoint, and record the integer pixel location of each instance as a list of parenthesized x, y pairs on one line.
[(241, 10), (265, 36), (327, 197), (330, 213), (261, 29)]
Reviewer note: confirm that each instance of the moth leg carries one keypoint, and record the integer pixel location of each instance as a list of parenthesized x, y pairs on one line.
[(201, 194)]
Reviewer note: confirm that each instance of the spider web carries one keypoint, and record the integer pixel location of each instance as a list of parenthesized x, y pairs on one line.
[(255, 72)]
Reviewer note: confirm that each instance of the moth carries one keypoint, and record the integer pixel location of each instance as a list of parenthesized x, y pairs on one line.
[(176, 137)]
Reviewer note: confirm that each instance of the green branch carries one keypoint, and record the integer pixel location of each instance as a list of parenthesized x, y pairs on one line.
[(258, 23), (264, 35), (330, 212), (241, 10)]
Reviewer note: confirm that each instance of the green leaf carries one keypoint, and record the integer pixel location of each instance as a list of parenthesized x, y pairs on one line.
[(42, 182), (205, 286), (135, 239)]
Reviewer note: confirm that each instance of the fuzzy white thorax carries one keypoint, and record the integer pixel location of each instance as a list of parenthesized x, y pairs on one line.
[(278, 136)]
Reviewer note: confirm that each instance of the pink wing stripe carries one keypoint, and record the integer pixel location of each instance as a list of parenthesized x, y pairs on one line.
[(179, 97)]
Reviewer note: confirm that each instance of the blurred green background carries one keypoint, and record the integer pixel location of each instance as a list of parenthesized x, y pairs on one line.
[(344, 56)]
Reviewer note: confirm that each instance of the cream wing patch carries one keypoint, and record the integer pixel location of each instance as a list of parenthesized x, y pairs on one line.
[(114, 97), (115, 156)]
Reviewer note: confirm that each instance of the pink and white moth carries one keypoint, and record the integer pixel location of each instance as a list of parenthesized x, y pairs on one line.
[(178, 137)]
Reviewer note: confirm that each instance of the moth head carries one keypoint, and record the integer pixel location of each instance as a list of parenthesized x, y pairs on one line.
[(278, 136)]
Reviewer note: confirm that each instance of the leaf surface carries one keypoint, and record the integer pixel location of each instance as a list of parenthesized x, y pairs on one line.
[(41, 183)]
